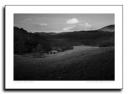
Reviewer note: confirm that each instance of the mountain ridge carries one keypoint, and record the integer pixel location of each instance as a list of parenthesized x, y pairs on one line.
[(109, 28)]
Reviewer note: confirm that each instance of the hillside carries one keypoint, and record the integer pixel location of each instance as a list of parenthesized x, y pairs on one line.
[(26, 42), (110, 28), (80, 55), (90, 63)]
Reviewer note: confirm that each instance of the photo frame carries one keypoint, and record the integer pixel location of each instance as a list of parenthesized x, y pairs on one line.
[(10, 83)]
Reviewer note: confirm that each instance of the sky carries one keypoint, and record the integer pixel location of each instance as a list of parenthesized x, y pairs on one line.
[(62, 22)]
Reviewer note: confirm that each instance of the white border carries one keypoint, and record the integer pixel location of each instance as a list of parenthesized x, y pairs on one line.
[(11, 84)]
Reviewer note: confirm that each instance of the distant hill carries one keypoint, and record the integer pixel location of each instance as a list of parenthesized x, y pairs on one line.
[(92, 38), (26, 42), (110, 28)]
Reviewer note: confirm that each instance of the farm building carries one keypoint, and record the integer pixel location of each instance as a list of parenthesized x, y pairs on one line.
[(53, 52)]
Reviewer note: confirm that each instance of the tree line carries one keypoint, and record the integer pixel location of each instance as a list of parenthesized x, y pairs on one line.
[(26, 42)]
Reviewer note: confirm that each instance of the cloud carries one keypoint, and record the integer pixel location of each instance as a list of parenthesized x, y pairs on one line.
[(72, 21), (78, 27), (68, 28), (87, 25), (27, 20), (43, 24)]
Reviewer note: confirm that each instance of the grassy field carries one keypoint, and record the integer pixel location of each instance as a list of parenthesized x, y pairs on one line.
[(81, 63)]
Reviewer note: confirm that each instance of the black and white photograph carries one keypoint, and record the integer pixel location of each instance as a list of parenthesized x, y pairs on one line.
[(64, 47)]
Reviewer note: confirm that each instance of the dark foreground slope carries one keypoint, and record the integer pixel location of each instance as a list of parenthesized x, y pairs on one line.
[(93, 64)]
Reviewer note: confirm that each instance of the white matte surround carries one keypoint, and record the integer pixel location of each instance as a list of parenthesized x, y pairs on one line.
[(9, 22)]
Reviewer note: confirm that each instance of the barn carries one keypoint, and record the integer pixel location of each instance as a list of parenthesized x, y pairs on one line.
[(53, 52)]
